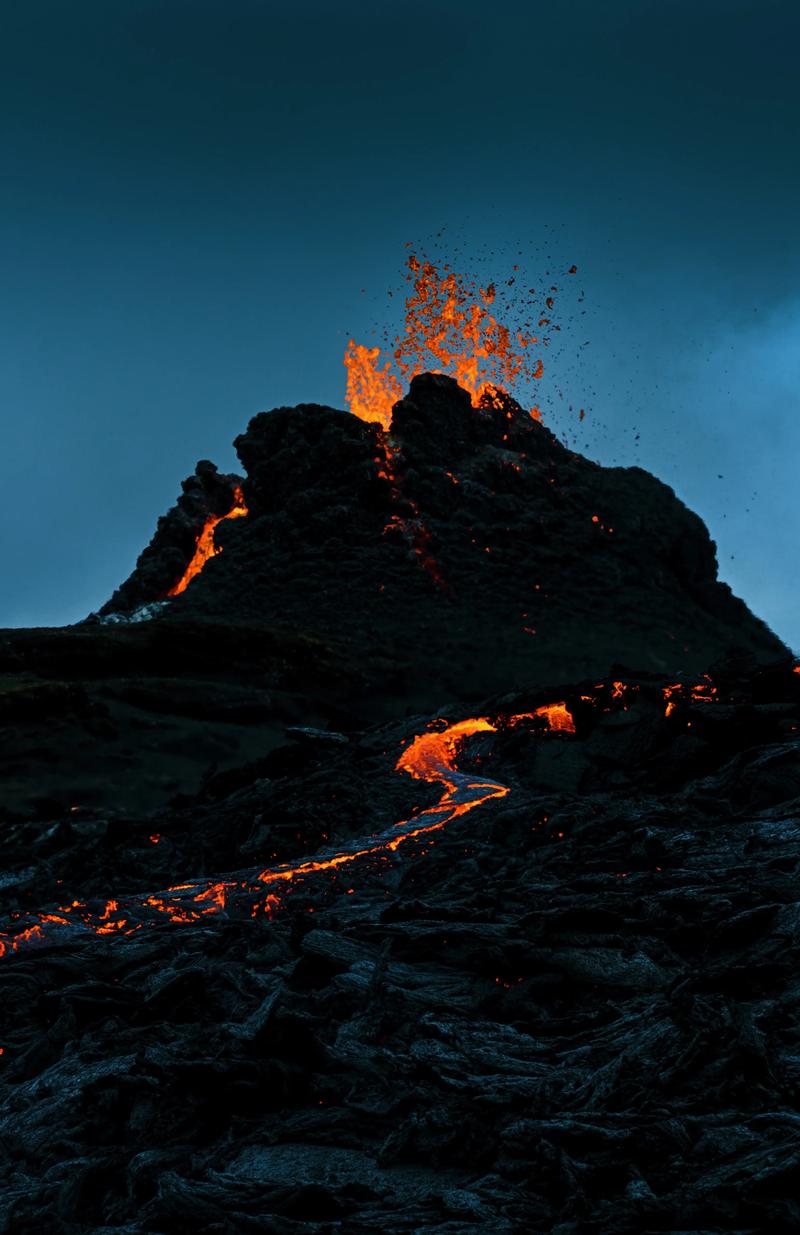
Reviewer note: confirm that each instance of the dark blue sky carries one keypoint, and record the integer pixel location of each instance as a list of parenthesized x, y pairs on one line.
[(194, 195)]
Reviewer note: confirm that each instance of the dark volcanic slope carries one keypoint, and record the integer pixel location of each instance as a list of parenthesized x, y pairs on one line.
[(473, 550), (206, 494), (469, 553), (571, 1009), (576, 1011)]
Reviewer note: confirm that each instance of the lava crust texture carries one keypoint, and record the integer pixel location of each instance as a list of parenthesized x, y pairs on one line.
[(353, 884)]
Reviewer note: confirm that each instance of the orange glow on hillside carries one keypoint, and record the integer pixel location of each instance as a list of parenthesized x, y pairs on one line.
[(206, 547), (450, 327)]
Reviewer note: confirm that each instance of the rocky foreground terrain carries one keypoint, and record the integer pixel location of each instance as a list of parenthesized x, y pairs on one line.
[(563, 999)]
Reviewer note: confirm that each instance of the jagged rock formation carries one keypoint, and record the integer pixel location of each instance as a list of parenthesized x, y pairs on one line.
[(206, 494), (471, 548), (372, 577)]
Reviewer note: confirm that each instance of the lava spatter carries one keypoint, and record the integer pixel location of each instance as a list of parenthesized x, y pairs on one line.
[(451, 326)]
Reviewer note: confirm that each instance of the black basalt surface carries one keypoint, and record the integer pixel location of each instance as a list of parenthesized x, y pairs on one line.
[(573, 1008)]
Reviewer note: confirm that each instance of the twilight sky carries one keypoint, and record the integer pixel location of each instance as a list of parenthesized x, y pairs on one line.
[(194, 194)]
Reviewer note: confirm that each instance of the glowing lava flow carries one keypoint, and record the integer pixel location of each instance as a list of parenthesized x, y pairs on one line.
[(206, 547), (557, 715), (431, 757)]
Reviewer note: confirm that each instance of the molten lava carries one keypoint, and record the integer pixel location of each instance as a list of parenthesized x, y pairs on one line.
[(372, 390), (431, 757), (449, 328), (684, 692), (206, 547), (557, 715)]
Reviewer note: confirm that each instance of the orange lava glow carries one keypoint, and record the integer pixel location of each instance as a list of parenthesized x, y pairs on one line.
[(206, 547), (372, 389), (431, 757), (450, 327), (557, 715), (684, 692)]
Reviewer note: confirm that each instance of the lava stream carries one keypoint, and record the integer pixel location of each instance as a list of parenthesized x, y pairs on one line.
[(431, 757), (206, 546)]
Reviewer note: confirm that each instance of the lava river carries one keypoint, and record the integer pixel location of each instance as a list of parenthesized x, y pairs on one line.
[(431, 757)]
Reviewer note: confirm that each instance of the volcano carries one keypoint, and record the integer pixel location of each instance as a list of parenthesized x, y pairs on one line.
[(461, 536), (409, 843)]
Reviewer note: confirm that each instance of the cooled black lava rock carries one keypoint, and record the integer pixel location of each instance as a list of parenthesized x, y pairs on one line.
[(575, 1009), (470, 547)]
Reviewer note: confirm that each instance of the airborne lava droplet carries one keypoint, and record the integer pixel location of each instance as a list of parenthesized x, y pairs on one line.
[(449, 328)]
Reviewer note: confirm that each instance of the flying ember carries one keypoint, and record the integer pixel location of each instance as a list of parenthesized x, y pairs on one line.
[(451, 326)]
